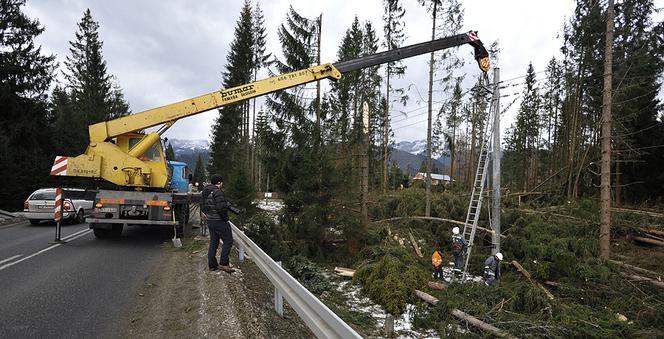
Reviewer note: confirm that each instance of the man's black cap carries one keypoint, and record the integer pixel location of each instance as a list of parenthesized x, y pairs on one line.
[(215, 179)]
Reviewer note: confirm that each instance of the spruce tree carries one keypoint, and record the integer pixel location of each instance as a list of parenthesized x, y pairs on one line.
[(170, 154), (523, 136), (199, 172), (229, 131), (94, 95), (26, 147), (638, 126)]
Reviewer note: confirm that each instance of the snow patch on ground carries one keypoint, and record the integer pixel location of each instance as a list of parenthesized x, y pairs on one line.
[(403, 325), (271, 205)]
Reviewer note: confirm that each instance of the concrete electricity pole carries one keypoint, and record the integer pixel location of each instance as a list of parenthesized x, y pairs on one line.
[(495, 213)]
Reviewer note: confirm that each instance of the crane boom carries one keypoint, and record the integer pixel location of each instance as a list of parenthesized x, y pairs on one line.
[(119, 153)]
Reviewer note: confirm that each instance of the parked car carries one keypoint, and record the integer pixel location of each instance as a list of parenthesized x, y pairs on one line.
[(40, 204)]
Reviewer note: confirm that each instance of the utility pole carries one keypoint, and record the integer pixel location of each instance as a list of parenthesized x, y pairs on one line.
[(495, 214), (427, 211), (605, 182)]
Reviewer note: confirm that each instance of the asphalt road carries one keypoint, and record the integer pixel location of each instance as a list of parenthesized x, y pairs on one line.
[(84, 288)]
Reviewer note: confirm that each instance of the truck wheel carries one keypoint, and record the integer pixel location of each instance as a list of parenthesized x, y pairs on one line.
[(101, 233), (116, 232), (34, 221)]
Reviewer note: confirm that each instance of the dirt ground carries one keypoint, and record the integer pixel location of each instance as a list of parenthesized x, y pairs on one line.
[(183, 299)]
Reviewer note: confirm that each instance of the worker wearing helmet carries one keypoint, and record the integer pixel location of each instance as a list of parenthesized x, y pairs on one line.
[(492, 269), (459, 246)]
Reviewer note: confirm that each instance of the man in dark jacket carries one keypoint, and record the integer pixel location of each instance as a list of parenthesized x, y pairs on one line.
[(215, 208), (459, 246), (492, 269)]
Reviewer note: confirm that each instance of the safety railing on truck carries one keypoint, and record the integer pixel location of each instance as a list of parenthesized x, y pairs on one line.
[(319, 318)]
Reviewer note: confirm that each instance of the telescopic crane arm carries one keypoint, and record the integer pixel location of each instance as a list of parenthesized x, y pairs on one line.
[(119, 162)]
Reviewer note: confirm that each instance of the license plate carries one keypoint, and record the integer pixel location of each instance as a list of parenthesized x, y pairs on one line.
[(108, 209), (44, 206)]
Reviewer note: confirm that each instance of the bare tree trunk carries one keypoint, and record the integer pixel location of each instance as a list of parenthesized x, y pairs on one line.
[(605, 185), (617, 185)]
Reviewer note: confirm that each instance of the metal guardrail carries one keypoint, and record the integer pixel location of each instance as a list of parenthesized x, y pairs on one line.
[(321, 320)]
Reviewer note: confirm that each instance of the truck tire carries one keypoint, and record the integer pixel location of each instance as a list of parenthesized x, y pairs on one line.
[(114, 232), (101, 233), (34, 221), (182, 215)]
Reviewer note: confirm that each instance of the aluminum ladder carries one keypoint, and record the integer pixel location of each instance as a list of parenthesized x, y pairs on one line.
[(475, 204)]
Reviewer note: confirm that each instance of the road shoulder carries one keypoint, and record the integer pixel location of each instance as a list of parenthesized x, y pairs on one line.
[(181, 298)]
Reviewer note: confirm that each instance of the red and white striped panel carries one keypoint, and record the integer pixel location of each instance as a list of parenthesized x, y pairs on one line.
[(59, 166), (57, 213), (472, 36)]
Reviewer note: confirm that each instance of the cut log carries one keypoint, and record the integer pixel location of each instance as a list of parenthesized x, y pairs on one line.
[(426, 297), (640, 278), (649, 241), (344, 272), (466, 317), (526, 274), (437, 285), (480, 324), (552, 283), (637, 269), (414, 243)]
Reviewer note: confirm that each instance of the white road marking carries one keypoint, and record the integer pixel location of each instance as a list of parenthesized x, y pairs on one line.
[(9, 259), (67, 238)]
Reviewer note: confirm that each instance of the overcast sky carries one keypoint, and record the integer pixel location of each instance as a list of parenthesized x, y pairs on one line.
[(163, 51)]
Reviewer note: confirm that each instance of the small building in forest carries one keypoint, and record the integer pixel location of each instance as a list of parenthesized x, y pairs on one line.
[(436, 179)]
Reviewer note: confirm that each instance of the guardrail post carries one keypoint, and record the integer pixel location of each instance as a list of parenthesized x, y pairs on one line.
[(278, 299), (241, 254)]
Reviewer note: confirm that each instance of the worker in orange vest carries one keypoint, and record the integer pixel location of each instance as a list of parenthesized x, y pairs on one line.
[(437, 263)]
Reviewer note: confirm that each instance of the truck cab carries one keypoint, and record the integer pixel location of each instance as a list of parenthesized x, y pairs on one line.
[(179, 174)]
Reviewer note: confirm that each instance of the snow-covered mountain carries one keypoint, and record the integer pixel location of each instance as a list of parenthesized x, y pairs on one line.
[(181, 146), (413, 147), (188, 150)]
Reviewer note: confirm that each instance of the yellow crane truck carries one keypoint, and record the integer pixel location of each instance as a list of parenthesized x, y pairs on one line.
[(148, 189)]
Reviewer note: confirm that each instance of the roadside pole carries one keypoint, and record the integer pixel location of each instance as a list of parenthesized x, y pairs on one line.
[(57, 215)]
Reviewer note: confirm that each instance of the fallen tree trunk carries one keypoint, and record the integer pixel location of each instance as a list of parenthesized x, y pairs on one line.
[(640, 278), (642, 212), (344, 272), (427, 297), (480, 324), (526, 274), (654, 237), (636, 268), (437, 286), (437, 219), (649, 241), (651, 231), (466, 317), (414, 243)]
